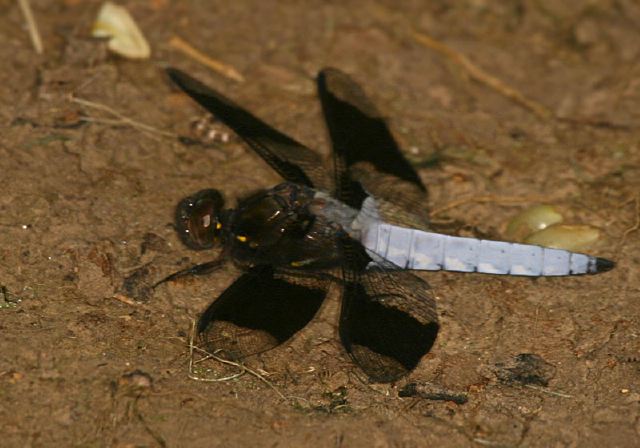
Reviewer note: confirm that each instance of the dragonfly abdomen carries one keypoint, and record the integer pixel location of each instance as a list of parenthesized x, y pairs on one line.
[(420, 250)]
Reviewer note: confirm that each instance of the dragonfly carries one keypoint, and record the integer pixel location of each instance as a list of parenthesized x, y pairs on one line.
[(363, 224)]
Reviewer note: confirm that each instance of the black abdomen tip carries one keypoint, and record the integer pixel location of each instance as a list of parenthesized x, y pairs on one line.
[(604, 265)]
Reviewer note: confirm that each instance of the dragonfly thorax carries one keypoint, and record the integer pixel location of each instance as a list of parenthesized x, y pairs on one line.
[(272, 226)]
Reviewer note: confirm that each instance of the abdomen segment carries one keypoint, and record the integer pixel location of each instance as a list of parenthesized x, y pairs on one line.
[(420, 250)]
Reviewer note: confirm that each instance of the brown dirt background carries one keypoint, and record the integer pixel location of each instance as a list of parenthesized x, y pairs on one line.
[(82, 208)]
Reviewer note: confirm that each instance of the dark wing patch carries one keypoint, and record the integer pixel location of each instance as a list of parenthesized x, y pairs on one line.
[(291, 159), (259, 311), (360, 136), (388, 320)]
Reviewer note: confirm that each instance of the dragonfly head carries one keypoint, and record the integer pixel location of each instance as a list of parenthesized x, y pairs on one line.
[(198, 219)]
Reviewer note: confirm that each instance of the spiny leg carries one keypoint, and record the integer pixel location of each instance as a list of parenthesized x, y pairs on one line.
[(196, 270)]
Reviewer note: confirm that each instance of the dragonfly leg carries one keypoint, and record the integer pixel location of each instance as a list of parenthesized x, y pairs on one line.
[(196, 270)]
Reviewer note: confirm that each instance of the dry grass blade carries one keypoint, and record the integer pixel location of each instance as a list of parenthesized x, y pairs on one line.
[(482, 76), (124, 299), (32, 26), (493, 199), (486, 442), (121, 118), (547, 391), (241, 367), (217, 66), (634, 228)]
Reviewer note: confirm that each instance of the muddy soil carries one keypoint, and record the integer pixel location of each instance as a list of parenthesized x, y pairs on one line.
[(88, 197)]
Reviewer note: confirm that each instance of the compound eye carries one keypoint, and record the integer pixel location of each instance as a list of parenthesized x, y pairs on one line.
[(197, 219)]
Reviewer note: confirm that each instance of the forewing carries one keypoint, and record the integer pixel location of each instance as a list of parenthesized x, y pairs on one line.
[(291, 159), (259, 311), (388, 320), (397, 202), (364, 148)]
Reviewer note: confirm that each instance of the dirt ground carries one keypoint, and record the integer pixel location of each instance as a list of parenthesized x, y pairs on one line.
[(88, 198)]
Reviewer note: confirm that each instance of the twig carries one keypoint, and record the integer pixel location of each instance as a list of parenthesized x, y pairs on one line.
[(123, 119), (485, 442), (156, 436), (484, 199), (192, 375), (547, 391), (634, 227), (124, 299), (595, 123), (220, 67), (243, 369), (32, 26), (481, 76)]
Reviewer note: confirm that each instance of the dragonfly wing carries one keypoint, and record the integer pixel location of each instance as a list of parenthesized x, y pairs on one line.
[(291, 159), (388, 320), (367, 158), (258, 312)]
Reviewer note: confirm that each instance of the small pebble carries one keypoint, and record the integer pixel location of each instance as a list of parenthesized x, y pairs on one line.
[(532, 220), (565, 236)]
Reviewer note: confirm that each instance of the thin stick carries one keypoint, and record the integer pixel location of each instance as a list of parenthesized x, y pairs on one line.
[(156, 436), (634, 227), (217, 66), (124, 119), (484, 199), (481, 76), (243, 369), (32, 26), (486, 442), (192, 374), (124, 299), (547, 391)]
